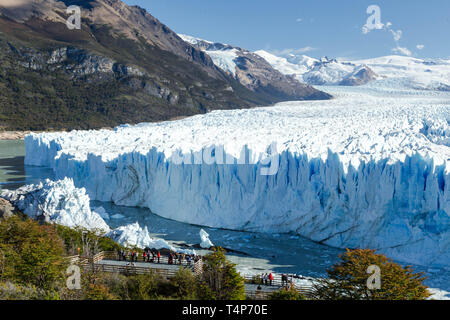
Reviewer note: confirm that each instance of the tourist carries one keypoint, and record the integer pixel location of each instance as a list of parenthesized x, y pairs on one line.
[(188, 259), (271, 278), (159, 256), (283, 279)]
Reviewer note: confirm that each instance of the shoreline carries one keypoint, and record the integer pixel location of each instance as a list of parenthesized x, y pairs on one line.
[(13, 135)]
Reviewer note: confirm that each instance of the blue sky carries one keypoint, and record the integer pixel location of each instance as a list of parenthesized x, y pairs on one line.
[(315, 28)]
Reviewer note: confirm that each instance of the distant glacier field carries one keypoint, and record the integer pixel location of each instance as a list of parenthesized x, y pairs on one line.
[(366, 169)]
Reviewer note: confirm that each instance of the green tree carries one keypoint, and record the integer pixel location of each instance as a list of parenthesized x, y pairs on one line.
[(219, 279), (184, 284), (348, 279), (33, 254)]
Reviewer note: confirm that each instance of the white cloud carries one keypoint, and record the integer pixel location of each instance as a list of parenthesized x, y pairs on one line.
[(420, 46), (402, 50), (397, 34), (299, 20)]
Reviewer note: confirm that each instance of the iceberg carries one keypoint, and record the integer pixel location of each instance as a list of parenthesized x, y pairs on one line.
[(133, 235), (205, 242), (368, 169)]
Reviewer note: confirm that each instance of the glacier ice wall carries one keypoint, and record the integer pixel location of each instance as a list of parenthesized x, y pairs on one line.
[(360, 171)]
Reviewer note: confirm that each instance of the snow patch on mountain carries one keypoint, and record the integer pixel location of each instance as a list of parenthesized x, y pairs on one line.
[(285, 67), (225, 59)]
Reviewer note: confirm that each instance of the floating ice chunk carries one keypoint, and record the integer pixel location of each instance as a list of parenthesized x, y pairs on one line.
[(102, 213), (117, 216), (205, 242), (133, 235)]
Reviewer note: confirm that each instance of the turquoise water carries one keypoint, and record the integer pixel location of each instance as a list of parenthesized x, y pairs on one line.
[(13, 173)]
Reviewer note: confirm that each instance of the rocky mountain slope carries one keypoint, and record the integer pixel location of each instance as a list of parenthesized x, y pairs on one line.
[(254, 72), (123, 66)]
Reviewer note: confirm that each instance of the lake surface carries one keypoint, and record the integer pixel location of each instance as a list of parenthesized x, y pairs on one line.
[(13, 173), (259, 252)]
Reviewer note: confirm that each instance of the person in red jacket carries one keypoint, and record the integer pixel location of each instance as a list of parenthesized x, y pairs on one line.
[(271, 278), (159, 256)]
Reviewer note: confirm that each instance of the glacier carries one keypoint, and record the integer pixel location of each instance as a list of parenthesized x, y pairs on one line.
[(366, 169)]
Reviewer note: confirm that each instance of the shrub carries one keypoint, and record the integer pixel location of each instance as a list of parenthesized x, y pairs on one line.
[(286, 294)]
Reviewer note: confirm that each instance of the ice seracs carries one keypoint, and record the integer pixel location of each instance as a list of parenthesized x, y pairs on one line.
[(57, 202), (366, 169)]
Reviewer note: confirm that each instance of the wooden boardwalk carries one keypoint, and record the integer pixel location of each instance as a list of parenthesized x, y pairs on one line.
[(109, 262)]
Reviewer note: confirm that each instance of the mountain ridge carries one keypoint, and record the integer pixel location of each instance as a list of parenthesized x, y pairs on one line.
[(123, 66)]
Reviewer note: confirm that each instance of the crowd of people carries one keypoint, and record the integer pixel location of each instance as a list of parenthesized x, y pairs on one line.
[(154, 256), (266, 278)]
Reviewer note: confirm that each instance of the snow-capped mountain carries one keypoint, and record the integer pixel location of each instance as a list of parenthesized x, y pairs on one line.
[(409, 72), (389, 71), (320, 72), (253, 71), (333, 72)]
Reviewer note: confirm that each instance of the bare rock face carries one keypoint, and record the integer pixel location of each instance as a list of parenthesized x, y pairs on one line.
[(359, 77), (6, 209)]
